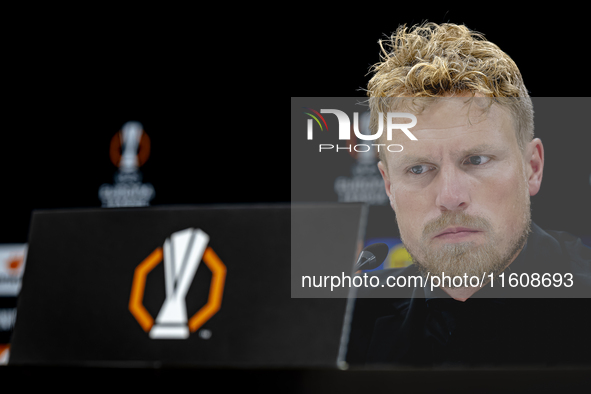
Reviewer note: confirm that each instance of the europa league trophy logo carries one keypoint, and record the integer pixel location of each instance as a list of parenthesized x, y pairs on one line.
[(129, 150), (183, 251)]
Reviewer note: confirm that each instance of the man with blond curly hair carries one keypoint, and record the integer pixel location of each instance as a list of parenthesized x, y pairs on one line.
[(461, 195)]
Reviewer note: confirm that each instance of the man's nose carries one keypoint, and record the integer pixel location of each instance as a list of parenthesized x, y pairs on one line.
[(452, 189)]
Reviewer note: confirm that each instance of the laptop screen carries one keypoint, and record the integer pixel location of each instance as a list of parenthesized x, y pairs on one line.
[(196, 285)]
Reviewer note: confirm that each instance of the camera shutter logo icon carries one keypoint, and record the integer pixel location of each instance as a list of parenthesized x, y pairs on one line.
[(182, 253)]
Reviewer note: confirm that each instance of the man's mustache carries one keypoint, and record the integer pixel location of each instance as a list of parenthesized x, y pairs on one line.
[(459, 219)]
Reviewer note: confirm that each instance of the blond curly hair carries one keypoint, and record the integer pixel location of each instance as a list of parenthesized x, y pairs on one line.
[(431, 60)]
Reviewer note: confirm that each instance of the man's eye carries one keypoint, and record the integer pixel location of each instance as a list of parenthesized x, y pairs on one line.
[(417, 170), (477, 160)]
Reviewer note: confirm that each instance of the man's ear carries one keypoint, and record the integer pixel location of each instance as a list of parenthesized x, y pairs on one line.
[(387, 183), (534, 164)]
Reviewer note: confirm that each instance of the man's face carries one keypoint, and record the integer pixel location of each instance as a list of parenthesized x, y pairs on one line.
[(461, 192)]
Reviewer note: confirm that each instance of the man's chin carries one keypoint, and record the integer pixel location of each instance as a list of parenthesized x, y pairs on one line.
[(468, 258), (461, 259)]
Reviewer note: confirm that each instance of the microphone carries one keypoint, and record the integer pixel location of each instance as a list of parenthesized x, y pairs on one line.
[(372, 256)]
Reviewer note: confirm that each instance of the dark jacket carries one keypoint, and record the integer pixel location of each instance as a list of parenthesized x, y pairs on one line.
[(498, 326)]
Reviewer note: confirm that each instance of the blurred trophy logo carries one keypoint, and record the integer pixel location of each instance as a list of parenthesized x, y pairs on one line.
[(129, 150), (182, 253), (12, 263), (365, 183), (4, 353)]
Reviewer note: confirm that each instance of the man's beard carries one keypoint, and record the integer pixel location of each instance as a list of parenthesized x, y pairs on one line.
[(466, 258)]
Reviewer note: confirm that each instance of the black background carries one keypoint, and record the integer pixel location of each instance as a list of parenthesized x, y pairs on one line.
[(209, 97), (73, 76)]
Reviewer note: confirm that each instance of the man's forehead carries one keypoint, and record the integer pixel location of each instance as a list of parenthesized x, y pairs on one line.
[(450, 112), (447, 117), (456, 127)]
